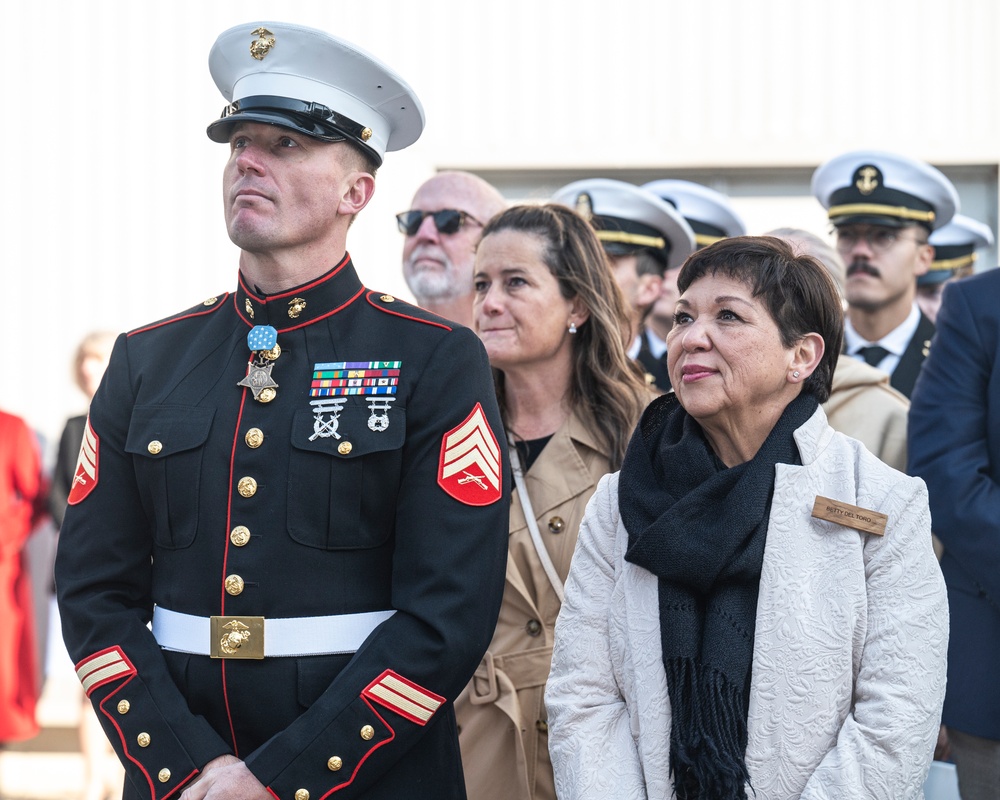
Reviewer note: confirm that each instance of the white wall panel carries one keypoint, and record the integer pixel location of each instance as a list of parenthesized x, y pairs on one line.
[(111, 203)]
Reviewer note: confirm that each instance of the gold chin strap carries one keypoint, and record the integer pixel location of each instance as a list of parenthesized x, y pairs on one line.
[(953, 263), (886, 211), (631, 238)]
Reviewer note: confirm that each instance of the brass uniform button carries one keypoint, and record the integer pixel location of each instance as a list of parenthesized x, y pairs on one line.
[(273, 353), (266, 395), (334, 763), (234, 585), (143, 739), (301, 794), (164, 775), (344, 448), (154, 447), (240, 535), (254, 438), (366, 134), (387, 298), (534, 627), (367, 732), (124, 706), (247, 487), (556, 525), (210, 301)]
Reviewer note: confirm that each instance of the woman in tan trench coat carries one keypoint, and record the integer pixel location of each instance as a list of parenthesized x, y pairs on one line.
[(554, 325)]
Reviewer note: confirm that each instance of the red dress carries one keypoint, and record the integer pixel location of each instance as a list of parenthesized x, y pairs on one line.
[(20, 493)]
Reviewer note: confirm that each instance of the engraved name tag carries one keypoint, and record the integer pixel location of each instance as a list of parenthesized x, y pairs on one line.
[(852, 516)]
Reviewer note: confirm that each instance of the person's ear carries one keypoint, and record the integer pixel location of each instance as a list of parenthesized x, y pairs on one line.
[(807, 352), (361, 188)]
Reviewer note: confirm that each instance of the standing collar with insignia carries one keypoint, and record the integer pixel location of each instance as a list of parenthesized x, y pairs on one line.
[(302, 305)]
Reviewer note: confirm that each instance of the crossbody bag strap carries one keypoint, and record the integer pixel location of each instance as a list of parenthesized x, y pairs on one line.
[(529, 516)]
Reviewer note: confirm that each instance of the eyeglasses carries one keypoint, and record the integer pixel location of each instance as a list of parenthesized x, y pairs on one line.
[(447, 220), (879, 239)]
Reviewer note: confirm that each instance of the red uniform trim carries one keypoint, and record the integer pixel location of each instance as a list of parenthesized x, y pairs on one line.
[(390, 690), (298, 290), (364, 758), (129, 672), (368, 297), (160, 324)]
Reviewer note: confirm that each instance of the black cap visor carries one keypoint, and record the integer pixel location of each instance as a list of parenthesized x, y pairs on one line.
[(312, 119)]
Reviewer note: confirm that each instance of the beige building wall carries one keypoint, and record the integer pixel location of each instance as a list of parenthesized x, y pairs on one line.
[(112, 211)]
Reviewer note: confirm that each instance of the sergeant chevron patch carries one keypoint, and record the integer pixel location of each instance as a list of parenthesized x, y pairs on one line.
[(404, 697), (85, 477), (106, 665), (469, 469)]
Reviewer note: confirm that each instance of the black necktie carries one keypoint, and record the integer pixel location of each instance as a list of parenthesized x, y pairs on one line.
[(873, 354)]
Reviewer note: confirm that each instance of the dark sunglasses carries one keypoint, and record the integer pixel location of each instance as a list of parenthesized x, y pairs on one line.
[(447, 221)]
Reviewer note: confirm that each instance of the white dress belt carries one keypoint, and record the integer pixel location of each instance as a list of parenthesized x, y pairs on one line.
[(284, 636)]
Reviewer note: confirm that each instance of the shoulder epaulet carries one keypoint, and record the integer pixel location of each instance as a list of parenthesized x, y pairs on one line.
[(209, 306), (398, 308)]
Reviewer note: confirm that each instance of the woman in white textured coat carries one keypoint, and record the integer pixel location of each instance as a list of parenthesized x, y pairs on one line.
[(754, 608)]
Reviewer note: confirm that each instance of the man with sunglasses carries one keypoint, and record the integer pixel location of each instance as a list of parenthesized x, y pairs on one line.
[(442, 229), (883, 208), (298, 486)]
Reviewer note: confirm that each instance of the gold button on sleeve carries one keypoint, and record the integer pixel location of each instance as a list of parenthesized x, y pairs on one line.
[(124, 706), (367, 732), (234, 585), (164, 775), (301, 794), (334, 763), (239, 535), (154, 447), (344, 448), (143, 739), (254, 438)]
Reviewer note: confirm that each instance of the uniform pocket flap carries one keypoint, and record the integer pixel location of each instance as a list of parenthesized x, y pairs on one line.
[(349, 431), (161, 431)]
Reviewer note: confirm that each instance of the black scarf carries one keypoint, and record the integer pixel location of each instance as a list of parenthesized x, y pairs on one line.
[(700, 527)]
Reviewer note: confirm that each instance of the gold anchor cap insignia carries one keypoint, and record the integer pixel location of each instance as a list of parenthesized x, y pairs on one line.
[(262, 45), (584, 206), (867, 179), (296, 306)]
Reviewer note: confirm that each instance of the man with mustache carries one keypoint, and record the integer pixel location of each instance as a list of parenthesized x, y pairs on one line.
[(442, 230), (883, 208)]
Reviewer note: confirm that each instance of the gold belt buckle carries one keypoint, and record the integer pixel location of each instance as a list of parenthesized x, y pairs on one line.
[(237, 637)]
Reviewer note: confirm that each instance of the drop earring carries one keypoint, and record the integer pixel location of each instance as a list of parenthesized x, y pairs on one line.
[(572, 327)]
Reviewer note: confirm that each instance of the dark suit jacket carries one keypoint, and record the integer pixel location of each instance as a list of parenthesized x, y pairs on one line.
[(656, 368), (905, 375), (954, 445)]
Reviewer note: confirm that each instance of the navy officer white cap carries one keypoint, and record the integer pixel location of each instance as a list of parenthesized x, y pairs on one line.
[(878, 188), (627, 218), (709, 213), (312, 82), (955, 246)]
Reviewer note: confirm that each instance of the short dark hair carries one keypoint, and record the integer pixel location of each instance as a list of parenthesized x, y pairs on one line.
[(796, 289)]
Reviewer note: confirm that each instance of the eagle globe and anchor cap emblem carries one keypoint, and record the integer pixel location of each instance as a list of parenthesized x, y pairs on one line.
[(262, 45)]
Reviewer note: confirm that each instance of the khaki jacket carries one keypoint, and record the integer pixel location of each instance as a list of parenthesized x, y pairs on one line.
[(865, 407), (503, 727)]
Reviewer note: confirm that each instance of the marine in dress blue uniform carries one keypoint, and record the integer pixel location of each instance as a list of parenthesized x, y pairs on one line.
[(300, 492)]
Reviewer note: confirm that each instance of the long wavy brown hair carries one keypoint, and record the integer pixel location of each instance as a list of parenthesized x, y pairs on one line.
[(606, 386)]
